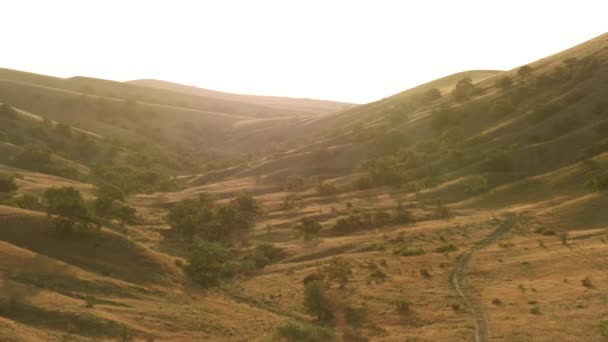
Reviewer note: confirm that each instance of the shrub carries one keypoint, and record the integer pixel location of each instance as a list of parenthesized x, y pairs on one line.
[(431, 95), (338, 270), (376, 274), (325, 189), (602, 327), (293, 332), (408, 251), (7, 184), (265, 254), (403, 306), (294, 183), (401, 215), (464, 89), (67, 203), (597, 180), (30, 202), (441, 210), (586, 282), (291, 201), (316, 301), (446, 248), (209, 263), (309, 227), (355, 316)]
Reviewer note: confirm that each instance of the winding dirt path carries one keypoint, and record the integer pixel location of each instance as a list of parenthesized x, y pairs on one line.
[(482, 331)]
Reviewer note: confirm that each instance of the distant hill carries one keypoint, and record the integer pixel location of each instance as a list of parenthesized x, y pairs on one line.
[(291, 104)]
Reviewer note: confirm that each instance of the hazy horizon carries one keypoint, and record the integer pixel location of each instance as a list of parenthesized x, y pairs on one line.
[(344, 51)]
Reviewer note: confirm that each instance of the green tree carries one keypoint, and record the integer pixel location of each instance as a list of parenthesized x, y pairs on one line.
[(464, 89), (602, 327), (316, 301), (209, 263), (192, 216), (338, 270), (309, 227), (69, 207)]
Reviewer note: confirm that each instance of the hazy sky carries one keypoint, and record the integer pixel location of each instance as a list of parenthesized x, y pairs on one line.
[(350, 50)]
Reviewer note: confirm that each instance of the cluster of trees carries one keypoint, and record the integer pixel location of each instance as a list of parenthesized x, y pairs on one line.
[(69, 210), (204, 218), (464, 90), (38, 158), (363, 220), (213, 228)]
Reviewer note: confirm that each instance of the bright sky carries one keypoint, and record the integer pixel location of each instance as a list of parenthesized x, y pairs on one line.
[(350, 50)]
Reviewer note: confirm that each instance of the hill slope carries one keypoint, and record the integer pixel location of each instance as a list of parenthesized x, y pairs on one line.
[(415, 217)]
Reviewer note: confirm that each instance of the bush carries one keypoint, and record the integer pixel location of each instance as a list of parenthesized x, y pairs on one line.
[(67, 203), (464, 89), (293, 332), (316, 301), (597, 180), (209, 263), (309, 227), (291, 201), (27, 201), (408, 251), (202, 217), (431, 95), (401, 215), (265, 254), (7, 184), (446, 248), (338, 270), (441, 210), (602, 327), (326, 189)]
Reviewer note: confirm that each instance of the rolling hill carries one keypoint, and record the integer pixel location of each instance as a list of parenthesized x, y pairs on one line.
[(452, 211)]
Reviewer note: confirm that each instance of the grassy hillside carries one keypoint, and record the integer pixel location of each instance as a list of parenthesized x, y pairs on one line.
[(304, 106), (447, 212)]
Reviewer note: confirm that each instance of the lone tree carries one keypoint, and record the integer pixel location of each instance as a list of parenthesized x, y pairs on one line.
[(339, 270), (464, 89), (309, 227), (316, 301), (7, 184), (71, 212), (209, 263)]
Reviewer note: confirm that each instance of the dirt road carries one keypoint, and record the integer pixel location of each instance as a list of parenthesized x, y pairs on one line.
[(482, 331)]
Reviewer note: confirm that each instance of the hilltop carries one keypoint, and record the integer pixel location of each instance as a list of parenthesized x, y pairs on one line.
[(451, 211)]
